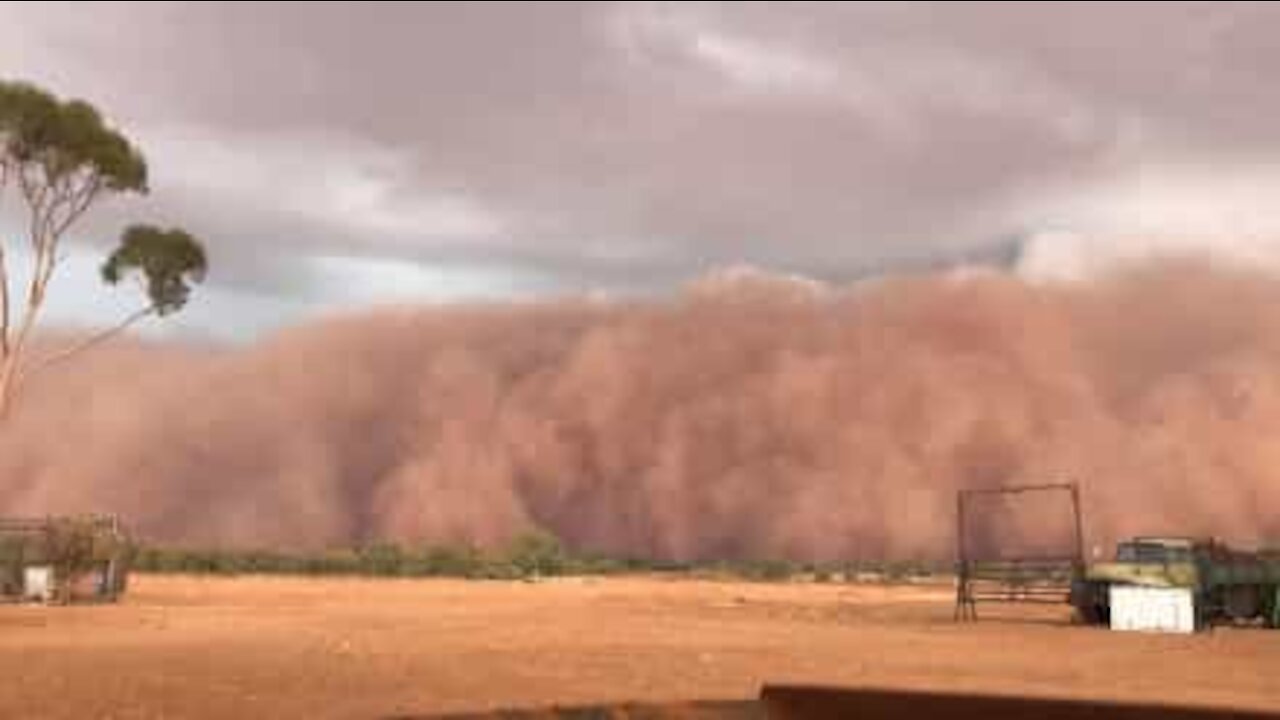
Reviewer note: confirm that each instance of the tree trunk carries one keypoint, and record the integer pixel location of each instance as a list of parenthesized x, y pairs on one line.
[(8, 381)]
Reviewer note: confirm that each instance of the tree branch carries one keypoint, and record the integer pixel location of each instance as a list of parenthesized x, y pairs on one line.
[(4, 305), (92, 340), (44, 246), (34, 193), (35, 286), (5, 170), (78, 202)]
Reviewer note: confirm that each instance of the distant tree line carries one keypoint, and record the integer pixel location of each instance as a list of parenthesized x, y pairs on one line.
[(529, 556)]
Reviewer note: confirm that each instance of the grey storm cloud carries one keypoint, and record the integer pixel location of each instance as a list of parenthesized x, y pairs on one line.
[(634, 145)]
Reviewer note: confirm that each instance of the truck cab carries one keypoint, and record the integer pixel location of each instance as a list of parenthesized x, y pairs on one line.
[(1154, 562), (1157, 550)]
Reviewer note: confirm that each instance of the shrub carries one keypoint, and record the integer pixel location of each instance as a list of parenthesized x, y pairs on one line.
[(381, 559), (450, 561), (769, 570), (536, 553)]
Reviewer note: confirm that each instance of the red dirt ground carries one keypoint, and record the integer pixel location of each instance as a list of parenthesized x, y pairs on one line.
[(344, 648)]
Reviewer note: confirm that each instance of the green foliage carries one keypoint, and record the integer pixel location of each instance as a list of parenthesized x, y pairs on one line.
[(382, 559), (65, 139), (13, 553), (530, 555), (449, 561), (754, 570), (169, 261), (537, 553), (70, 547), (770, 570)]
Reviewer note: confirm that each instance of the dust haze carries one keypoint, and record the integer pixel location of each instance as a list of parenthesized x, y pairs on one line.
[(748, 416)]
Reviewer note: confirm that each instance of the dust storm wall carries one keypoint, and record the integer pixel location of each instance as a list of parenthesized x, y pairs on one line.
[(746, 416)]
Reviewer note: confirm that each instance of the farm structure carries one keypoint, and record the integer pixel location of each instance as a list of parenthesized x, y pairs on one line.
[(61, 560), (1154, 583)]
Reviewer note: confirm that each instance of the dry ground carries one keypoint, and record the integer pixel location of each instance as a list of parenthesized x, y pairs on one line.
[(320, 648)]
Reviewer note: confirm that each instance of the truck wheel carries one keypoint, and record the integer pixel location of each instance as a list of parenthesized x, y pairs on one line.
[(1103, 614), (1243, 602), (1271, 606), (1088, 599)]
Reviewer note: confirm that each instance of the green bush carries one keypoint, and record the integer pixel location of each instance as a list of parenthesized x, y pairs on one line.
[(769, 570), (382, 559), (594, 565), (450, 561), (536, 553)]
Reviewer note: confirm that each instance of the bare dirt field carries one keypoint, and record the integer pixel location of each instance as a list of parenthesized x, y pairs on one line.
[(260, 647)]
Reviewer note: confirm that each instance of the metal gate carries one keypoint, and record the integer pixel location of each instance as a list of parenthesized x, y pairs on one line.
[(1000, 579)]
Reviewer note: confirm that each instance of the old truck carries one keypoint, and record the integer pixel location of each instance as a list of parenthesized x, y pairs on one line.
[(1219, 583)]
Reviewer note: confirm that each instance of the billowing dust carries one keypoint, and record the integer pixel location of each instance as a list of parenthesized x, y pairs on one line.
[(747, 416)]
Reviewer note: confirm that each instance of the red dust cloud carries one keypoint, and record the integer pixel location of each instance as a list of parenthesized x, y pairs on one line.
[(747, 417)]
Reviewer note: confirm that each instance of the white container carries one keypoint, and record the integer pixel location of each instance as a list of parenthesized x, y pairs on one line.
[(1151, 609), (37, 582)]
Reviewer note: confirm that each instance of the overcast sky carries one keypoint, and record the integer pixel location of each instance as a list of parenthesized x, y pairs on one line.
[(334, 155)]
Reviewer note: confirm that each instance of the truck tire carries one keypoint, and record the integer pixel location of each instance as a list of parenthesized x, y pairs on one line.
[(1090, 602), (1243, 602), (1271, 605)]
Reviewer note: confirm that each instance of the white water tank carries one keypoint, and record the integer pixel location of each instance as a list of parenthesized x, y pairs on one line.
[(37, 582), (1152, 609)]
